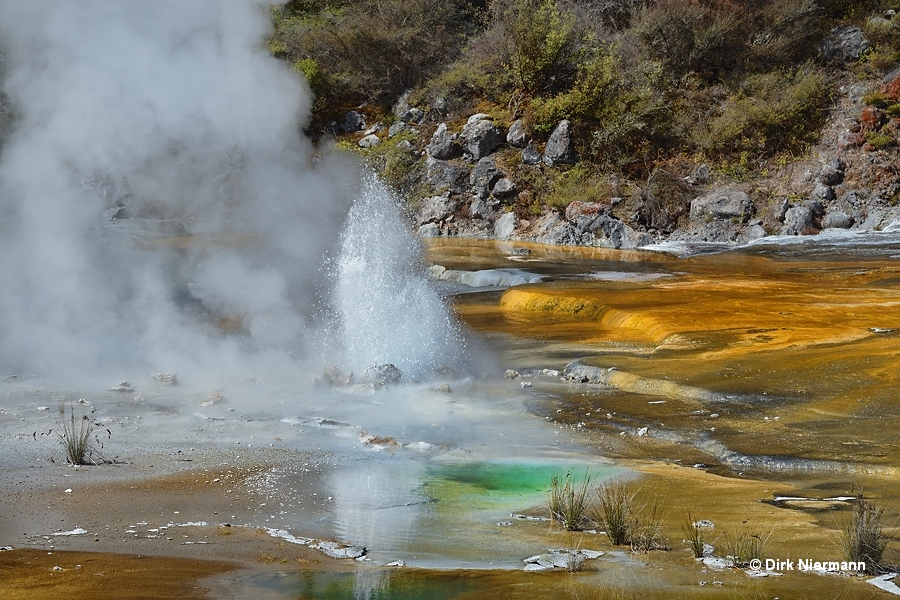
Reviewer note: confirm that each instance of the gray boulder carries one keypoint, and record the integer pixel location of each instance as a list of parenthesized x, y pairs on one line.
[(837, 220), (429, 230), (552, 229), (505, 226), (369, 141), (480, 137), (822, 192), (582, 214), (517, 136), (608, 232), (412, 115), (442, 176), (353, 121), (504, 188), (798, 220), (722, 204), (530, 155), (443, 144), (560, 148), (844, 44), (484, 176), (436, 208), (401, 127), (483, 208)]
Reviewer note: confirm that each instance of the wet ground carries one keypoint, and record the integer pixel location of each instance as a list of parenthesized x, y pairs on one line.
[(754, 389)]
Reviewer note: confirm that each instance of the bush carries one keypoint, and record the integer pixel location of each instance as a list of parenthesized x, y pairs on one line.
[(369, 51), (696, 536), (769, 113), (541, 43)]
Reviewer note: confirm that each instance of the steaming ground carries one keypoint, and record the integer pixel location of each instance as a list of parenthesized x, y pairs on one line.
[(156, 190)]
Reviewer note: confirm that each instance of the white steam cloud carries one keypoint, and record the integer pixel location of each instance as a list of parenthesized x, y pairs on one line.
[(172, 116)]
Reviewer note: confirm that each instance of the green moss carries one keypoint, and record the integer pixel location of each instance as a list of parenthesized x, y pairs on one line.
[(879, 140)]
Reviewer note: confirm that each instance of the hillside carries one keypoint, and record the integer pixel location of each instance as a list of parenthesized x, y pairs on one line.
[(680, 119)]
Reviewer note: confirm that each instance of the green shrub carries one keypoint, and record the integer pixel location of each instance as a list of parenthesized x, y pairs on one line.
[(77, 436), (370, 51), (770, 112), (695, 535), (542, 44), (879, 140), (878, 99)]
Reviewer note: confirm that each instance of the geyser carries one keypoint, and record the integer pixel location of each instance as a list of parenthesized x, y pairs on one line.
[(170, 117), (388, 311)]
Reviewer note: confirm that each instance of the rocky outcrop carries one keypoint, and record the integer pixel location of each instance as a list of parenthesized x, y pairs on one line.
[(722, 204), (480, 137), (844, 44), (560, 149)]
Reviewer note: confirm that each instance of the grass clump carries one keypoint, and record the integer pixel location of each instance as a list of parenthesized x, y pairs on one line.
[(745, 546), (863, 537), (615, 511), (695, 536), (77, 436), (568, 500)]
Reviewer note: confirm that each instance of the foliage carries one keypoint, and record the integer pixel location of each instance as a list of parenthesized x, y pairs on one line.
[(863, 536), (646, 531), (879, 140), (369, 51), (542, 44), (77, 436), (770, 112), (395, 159), (567, 500)]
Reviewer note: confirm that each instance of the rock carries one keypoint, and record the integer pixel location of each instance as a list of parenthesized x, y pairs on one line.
[(822, 192), (581, 373), (436, 208), (166, 378), (352, 122), (123, 386), (530, 155), (798, 220), (511, 374), (441, 176), (504, 188), (401, 127), (374, 129), (517, 136), (722, 204), (551, 229), (429, 230), (505, 226), (582, 214), (837, 220), (830, 175), (526, 384), (815, 207), (480, 137), (369, 141), (412, 115), (560, 148), (844, 44), (213, 399), (700, 176), (338, 550), (116, 212), (443, 144), (334, 376), (608, 232), (483, 208), (381, 374), (484, 176)]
